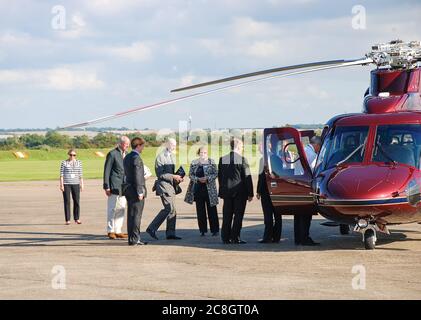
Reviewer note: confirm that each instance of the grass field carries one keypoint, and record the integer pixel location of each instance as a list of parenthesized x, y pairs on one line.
[(45, 165)]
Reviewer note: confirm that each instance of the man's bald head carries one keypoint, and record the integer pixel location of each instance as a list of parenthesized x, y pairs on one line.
[(316, 142), (124, 143), (171, 144)]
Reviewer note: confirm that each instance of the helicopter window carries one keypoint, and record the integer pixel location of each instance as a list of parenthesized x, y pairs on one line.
[(344, 145), (398, 144), (282, 156)]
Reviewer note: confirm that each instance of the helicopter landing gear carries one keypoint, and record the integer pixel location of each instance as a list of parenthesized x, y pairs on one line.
[(344, 229), (369, 231), (369, 238)]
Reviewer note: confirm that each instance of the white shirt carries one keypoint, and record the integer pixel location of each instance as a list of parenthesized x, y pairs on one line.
[(311, 156)]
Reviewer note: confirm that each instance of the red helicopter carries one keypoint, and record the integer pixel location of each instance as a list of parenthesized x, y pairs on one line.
[(367, 173)]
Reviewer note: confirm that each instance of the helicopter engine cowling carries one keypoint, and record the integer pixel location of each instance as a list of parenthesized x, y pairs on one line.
[(393, 90), (380, 191)]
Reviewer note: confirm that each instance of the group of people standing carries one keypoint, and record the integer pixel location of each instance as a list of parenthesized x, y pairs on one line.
[(124, 185)]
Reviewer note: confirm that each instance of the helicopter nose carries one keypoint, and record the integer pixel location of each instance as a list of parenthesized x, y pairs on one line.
[(368, 182)]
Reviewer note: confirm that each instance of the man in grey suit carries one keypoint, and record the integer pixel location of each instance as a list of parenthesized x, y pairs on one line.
[(113, 179), (165, 187)]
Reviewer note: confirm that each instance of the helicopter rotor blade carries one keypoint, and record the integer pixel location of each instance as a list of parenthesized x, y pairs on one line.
[(202, 93), (268, 71)]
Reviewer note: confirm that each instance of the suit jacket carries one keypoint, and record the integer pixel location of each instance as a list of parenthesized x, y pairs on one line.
[(134, 176), (164, 170), (114, 171), (262, 187), (234, 176), (211, 172)]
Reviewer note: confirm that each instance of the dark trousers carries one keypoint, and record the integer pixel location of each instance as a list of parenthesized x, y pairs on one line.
[(168, 212), (233, 209), (203, 204), (272, 219), (71, 190), (134, 217), (302, 224)]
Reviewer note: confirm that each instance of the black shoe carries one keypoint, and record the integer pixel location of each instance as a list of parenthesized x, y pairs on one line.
[(173, 238), (264, 241), (152, 234), (239, 241), (276, 241), (215, 234), (138, 243), (226, 242), (202, 234), (309, 242)]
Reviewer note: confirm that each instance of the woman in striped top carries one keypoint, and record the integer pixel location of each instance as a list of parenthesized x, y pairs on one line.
[(71, 183)]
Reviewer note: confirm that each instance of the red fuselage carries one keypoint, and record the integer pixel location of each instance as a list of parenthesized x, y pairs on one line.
[(369, 163), (372, 186)]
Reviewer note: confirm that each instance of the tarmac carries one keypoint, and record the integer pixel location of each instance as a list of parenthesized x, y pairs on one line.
[(41, 258)]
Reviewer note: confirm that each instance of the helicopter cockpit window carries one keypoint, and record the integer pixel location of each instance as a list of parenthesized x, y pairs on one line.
[(398, 144), (282, 156), (344, 145)]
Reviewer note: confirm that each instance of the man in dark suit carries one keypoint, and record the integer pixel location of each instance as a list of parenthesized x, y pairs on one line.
[(302, 222), (135, 190), (272, 218), (235, 187)]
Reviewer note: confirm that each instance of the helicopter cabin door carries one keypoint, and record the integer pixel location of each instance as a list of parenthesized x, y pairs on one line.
[(288, 174)]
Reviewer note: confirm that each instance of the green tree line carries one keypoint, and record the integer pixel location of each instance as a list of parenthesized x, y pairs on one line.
[(54, 139)]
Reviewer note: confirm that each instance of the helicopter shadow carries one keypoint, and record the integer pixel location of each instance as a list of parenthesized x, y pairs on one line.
[(329, 237)]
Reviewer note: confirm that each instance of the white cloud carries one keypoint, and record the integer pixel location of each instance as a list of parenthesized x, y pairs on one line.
[(215, 47), (67, 79), (109, 7), (62, 79), (20, 39), (249, 27), (76, 28), (264, 49), (137, 51)]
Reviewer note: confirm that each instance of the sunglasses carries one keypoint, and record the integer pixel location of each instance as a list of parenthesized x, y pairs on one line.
[(72, 155)]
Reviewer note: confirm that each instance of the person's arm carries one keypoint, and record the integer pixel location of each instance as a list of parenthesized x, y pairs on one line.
[(82, 186), (160, 172), (220, 171), (62, 176), (107, 173), (260, 180), (248, 178), (192, 172), (139, 174), (213, 173)]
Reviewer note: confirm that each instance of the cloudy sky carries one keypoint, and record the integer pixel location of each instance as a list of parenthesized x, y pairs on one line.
[(115, 55)]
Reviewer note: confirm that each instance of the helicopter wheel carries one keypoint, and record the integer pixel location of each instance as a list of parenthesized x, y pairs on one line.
[(344, 229), (370, 239)]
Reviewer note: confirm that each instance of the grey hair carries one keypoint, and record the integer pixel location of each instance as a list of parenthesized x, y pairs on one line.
[(316, 140), (170, 140), (124, 139)]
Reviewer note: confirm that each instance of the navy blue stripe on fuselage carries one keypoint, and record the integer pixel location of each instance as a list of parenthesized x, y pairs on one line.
[(367, 202)]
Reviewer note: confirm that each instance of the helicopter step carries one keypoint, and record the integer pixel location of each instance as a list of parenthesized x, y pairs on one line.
[(369, 230)]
